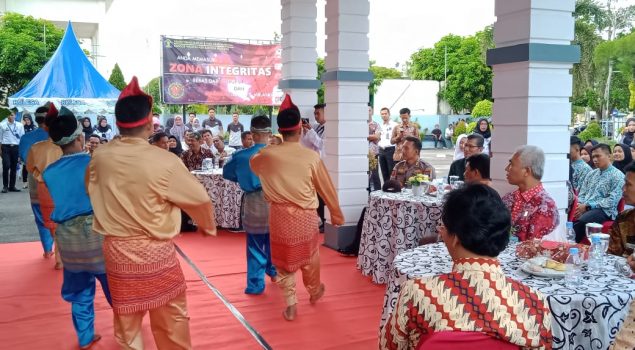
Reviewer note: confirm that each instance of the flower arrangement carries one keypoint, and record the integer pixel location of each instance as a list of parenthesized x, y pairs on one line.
[(418, 179)]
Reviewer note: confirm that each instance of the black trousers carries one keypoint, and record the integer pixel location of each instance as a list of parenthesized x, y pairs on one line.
[(24, 173), (386, 163), (9, 165), (437, 141), (374, 183), (594, 215), (320, 210)]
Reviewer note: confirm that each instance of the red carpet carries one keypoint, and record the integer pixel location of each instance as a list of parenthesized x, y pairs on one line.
[(34, 316)]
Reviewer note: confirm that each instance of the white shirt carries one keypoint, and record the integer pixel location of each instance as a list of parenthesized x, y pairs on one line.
[(228, 149), (311, 139), (10, 133), (386, 133)]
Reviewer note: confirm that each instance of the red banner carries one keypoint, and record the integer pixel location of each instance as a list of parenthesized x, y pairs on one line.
[(220, 72)]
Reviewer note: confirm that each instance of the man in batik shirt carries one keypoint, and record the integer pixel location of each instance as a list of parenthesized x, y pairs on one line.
[(194, 156), (580, 167), (374, 134), (412, 164), (475, 296), (534, 213), (401, 131)]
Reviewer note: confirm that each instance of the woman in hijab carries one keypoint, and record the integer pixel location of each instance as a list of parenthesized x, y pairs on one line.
[(585, 154), (629, 132), (103, 129), (87, 128), (196, 125), (591, 143), (621, 156), (27, 121), (179, 128), (483, 129), (458, 148), (174, 145)]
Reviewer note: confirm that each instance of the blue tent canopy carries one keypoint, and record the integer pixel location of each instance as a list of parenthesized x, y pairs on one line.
[(68, 79)]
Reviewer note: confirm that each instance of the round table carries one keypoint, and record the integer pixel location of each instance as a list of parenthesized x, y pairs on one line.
[(587, 317), (394, 222), (226, 196)]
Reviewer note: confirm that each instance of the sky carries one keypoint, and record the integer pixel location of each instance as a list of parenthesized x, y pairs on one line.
[(398, 28)]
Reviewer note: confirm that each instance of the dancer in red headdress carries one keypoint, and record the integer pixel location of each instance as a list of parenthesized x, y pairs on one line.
[(137, 191), (291, 174)]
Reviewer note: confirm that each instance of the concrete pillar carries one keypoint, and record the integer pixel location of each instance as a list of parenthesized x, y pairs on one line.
[(532, 86), (299, 53), (346, 95)]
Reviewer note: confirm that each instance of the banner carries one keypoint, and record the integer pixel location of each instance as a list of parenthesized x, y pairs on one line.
[(220, 72)]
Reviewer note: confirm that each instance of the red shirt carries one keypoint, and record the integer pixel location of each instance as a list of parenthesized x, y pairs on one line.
[(534, 213)]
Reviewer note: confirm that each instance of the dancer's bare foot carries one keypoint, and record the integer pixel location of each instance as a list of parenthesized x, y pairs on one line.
[(96, 338), (58, 266), (48, 255), (318, 295), (289, 313)]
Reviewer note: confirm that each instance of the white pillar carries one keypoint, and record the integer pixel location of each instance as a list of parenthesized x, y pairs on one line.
[(531, 87), (346, 95), (299, 53)]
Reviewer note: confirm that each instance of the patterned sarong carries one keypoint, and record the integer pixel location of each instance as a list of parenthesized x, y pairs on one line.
[(143, 273), (255, 213), (294, 235), (47, 206), (80, 247)]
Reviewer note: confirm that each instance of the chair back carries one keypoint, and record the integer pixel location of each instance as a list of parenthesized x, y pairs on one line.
[(447, 340), (620, 205), (573, 208)]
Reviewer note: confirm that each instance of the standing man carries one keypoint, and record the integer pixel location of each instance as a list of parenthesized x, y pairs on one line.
[(580, 167), (255, 210), (213, 124), (79, 246), (191, 117), (139, 217), (291, 175), (10, 134), (386, 148), (26, 142), (374, 134), (401, 131), (235, 129), (313, 135), (473, 145)]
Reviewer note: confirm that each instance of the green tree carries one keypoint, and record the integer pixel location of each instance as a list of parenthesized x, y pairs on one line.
[(482, 109), (153, 88), (621, 52), (23, 51), (320, 71), (592, 132), (469, 79), (116, 78)]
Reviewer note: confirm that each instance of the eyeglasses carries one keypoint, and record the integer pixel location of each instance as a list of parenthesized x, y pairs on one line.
[(467, 145)]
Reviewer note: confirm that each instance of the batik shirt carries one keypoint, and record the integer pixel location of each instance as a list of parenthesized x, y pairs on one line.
[(402, 171), (602, 189), (475, 297), (622, 232), (534, 213), (410, 130), (194, 161), (580, 170), (373, 129)]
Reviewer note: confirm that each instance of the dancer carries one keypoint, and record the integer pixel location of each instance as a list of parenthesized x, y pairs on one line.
[(291, 174), (39, 157), (255, 213), (80, 248), (26, 142), (137, 191)]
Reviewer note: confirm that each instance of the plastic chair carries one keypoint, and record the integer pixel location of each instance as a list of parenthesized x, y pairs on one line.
[(606, 225), (447, 340)]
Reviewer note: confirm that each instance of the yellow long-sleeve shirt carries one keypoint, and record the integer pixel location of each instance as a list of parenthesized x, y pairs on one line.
[(41, 155)]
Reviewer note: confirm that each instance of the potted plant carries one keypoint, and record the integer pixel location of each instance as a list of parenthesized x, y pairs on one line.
[(419, 184)]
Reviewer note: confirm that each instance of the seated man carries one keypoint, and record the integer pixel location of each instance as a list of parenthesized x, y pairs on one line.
[(579, 168), (473, 145), (534, 212), (623, 230), (193, 157), (600, 192), (412, 164), (220, 150), (476, 296), (477, 169)]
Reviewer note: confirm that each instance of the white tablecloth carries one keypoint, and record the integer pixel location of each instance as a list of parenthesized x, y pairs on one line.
[(588, 317), (394, 222), (226, 196)]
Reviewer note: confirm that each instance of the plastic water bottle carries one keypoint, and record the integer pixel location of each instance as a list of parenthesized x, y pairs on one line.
[(573, 276), (570, 233), (596, 256), (216, 163)]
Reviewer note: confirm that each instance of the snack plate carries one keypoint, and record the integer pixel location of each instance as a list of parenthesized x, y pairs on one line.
[(534, 267)]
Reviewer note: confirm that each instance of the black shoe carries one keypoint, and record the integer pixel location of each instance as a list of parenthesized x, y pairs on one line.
[(13, 189), (5, 190)]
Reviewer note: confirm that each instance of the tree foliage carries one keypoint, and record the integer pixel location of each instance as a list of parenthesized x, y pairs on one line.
[(592, 132), (469, 79), (483, 109), (23, 51), (116, 78)]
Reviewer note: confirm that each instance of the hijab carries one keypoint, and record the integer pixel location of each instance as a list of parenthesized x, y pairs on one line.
[(88, 130), (487, 133), (458, 153), (178, 149), (179, 130), (628, 158), (588, 150), (30, 127), (100, 128)]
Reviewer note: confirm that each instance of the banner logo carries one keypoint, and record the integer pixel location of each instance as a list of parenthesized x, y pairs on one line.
[(176, 90)]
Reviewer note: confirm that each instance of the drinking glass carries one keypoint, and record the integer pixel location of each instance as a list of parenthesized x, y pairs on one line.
[(458, 184), (592, 228), (622, 267), (208, 164), (453, 179)]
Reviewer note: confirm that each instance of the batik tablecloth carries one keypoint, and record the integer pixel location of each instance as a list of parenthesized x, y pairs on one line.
[(226, 196), (587, 317), (394, 223)]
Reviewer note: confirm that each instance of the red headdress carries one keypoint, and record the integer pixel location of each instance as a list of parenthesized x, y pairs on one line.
[(129, 121), (288, 104)]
